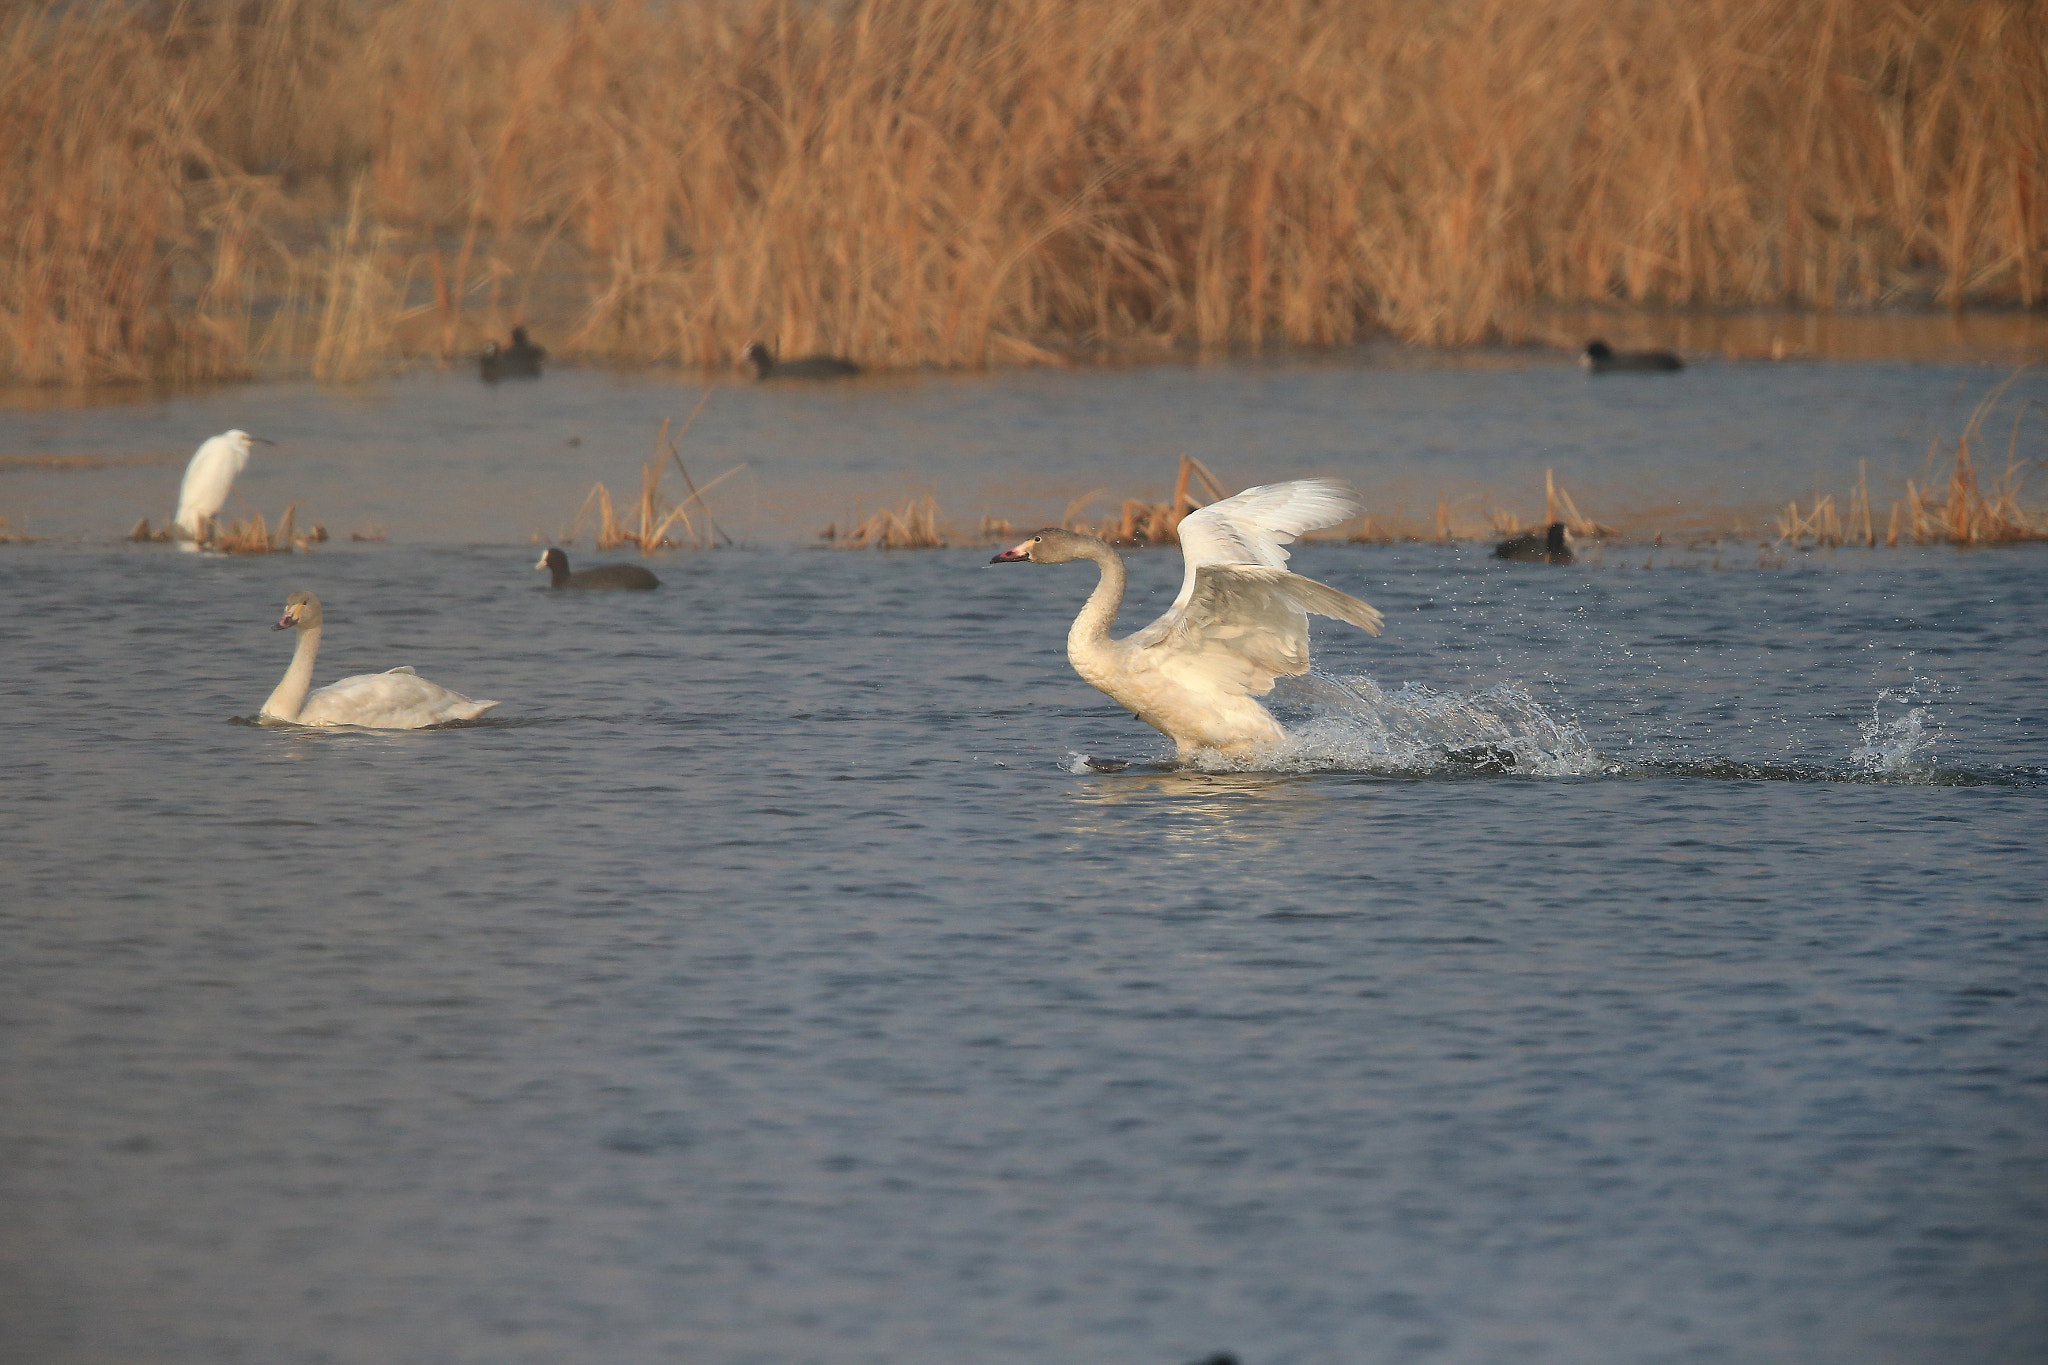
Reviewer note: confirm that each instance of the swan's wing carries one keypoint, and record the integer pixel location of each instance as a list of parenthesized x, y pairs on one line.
[(1255, 526), (1242, 626), (402, 668), (398, 700)]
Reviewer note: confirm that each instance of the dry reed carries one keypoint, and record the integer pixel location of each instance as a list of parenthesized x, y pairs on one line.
[(1139, 522), (654, 522), (914, 526), (1964, 513), (187, 188), (252, 537)]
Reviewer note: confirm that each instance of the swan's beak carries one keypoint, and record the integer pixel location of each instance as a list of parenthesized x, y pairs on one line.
[(541, 563), (286, 621), (1016, 554)]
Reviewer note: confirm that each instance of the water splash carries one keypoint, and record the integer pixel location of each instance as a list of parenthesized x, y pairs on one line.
[(1898, 739), (1354, 724)]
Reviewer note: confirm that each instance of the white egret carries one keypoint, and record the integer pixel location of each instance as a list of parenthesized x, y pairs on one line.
[(209, 477), (1241, 619)]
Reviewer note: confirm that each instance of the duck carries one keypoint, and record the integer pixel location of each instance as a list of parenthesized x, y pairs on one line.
[(1240, 621), (765, 366), (603, 576), (1551, 545), (520, 360), (1601, 358), (208, 478), (396, 700)]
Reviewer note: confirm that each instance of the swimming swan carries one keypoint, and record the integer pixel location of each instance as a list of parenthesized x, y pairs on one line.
[(1241, 619), (398, 700)]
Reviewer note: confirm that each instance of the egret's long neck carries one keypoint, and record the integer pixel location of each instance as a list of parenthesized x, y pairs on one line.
[(291, 692), (1088, 638)]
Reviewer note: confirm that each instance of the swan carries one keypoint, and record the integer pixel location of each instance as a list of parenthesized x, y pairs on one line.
[(208, 478), (603, 576), (397, 700), (766, 366), (1551, 545), (1601, 358), (1241, 619), (520, 360)]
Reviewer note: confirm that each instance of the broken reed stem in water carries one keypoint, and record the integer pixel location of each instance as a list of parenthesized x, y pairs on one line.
[(956, 182)]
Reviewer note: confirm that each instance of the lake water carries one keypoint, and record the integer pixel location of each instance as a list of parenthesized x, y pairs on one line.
[(768, 979)]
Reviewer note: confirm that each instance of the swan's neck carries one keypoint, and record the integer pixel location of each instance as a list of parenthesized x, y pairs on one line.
[(291, 692), (1088, 639)]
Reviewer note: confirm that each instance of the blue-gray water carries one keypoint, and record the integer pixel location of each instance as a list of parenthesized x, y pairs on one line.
[(762, 983)]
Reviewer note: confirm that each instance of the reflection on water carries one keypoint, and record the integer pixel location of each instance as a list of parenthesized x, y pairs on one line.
[(1189, 810)]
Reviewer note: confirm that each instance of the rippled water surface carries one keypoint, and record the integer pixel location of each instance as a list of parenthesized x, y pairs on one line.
[(1640, 961)]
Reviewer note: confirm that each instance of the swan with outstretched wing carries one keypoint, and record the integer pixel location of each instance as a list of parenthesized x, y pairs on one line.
[(1240, 621)]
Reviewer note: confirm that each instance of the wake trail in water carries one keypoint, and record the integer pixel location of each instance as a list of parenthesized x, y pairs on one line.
[(1355, 724)]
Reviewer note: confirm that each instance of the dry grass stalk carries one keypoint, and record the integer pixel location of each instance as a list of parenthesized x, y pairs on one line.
[(914, 526), (657, 524), (949, 181), (1859, 506), (252, 537), (1821, 524), (1967, 513), (1558, 506), (1138, 522)]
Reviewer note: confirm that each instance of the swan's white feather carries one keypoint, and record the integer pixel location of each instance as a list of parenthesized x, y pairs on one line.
[(397, 700), (1242, 626), (1255, 526)]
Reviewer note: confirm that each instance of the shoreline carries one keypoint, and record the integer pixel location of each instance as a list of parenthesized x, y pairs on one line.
[(2010, 336)]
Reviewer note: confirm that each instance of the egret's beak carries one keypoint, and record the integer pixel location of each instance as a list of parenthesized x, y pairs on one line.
[(264, 440), (1016, 554)]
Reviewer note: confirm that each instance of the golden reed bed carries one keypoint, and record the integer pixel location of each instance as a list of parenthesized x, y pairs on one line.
[(204, 188)]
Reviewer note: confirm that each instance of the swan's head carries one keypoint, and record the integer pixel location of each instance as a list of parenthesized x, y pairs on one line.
[(301, 609), (1050, 546), (1597, 352), (757, 357), (552, 560)]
